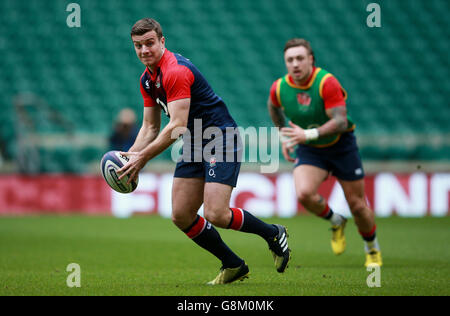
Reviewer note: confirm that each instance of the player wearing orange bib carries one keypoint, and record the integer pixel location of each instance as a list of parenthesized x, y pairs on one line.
[(315, 103)]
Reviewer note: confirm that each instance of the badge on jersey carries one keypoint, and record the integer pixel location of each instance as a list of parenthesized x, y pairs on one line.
[(212, 162), (304, 98)]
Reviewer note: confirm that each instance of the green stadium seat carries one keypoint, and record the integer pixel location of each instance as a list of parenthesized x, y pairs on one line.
[(94, 78)]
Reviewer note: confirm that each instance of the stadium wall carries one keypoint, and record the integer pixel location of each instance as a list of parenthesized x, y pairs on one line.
[(389, 194)]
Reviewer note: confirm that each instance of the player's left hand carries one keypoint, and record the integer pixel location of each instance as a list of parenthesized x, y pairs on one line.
[(296, 135), (132, 168)]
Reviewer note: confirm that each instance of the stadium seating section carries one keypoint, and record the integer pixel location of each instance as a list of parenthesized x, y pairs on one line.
[(397, 76)]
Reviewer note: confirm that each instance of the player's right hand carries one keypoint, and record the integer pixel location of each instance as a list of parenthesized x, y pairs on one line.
[(136, 163)]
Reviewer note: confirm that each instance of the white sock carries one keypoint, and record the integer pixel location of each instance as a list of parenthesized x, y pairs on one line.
[(336, 219), (369, 245)]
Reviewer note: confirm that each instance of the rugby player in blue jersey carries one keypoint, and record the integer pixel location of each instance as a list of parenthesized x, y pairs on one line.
[(172, 84)]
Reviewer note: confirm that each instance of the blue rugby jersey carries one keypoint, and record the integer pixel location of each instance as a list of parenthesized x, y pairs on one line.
[(176, 77)]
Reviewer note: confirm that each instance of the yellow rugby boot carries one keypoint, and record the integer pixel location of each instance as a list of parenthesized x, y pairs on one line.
[(373, 257), (228, 275), (338, 242)]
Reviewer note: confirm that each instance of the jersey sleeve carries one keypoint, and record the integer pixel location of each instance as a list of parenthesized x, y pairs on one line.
[(273, 94), (332, 93), (148, 101), (177, 83)]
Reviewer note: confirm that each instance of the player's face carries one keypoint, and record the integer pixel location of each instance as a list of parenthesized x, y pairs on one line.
[(149, 48), (299, 63)]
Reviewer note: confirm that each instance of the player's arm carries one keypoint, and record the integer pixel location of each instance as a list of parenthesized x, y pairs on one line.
[(337, 123), (335, 108), (274, 106), (151, 125), (278, 119), (179, 113), (276, 114)]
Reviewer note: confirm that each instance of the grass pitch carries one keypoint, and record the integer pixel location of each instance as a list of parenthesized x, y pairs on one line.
[(148, 255)]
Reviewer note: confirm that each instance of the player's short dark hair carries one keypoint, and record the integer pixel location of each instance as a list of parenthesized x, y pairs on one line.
[(294, 42), (146, 25)]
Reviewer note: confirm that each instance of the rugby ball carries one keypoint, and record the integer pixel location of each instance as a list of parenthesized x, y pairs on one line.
[(111, 162)]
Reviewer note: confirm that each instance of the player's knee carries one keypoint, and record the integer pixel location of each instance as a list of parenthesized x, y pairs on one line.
[(212, 217), (182, 221), (215, 216), (357, 206), (177, 220), (305, 197)]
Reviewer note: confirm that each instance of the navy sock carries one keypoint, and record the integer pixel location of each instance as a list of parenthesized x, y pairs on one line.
[(245, 222), (207, 237)]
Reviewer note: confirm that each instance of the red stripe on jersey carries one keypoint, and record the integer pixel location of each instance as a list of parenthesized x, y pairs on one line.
[(238, 218), (197, 228)]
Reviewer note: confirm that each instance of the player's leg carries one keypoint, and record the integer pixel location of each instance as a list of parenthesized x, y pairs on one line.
[(307, 179), (221, 174), (311, 169), (348, 168), (221, 177), (354, 194), (217, 211), (187, 197), (238, 270), (364, 218)]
